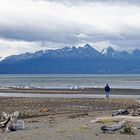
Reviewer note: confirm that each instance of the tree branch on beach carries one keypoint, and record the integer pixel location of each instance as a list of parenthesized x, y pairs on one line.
[(9, 121), (127, 119)]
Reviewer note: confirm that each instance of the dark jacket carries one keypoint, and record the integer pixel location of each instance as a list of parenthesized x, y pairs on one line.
[(107, 88)]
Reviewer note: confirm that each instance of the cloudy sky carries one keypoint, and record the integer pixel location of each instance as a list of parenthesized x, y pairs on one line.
[(31, 25)]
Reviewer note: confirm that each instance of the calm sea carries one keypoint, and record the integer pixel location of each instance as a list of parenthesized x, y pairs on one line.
[(71, 80)]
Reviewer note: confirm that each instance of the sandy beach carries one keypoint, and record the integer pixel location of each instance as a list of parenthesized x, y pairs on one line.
[(71, 91), (66, 118)]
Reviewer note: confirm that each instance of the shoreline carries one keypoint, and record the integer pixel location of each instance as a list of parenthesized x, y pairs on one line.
[(114, 91)]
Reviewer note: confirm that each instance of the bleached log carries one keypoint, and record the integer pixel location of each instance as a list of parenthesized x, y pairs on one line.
[(9, 121), (4, 123), (120, 112), (114, 127), (4, 116), (117, 119), (11, 125)]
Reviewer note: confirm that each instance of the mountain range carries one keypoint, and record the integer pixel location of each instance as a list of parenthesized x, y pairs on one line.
[(82, 60)]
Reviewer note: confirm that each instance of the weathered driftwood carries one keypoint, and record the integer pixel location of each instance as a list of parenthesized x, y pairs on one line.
[(4, 115), (5, 119), (120, 112), (113, 127), (11, 125), (117, 119), (9, 121)]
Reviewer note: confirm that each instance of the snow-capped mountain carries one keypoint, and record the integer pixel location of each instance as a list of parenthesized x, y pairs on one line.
[(82, 52), (84, 59), (110, 52)]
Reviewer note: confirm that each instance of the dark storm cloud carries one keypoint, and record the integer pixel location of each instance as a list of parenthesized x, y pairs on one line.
[(58, 23)]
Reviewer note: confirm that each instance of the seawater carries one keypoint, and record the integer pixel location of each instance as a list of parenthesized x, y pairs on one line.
[(67, 81)]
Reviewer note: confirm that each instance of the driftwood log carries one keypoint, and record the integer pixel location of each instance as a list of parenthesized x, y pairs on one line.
[(8, 122), (113, 127), (127, 119), (120, 112)]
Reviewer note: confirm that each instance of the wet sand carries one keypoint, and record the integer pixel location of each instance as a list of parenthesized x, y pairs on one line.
[(65, 118), (72, 91)]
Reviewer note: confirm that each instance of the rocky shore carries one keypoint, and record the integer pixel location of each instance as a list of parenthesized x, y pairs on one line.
[(34, 107), (65, 118)]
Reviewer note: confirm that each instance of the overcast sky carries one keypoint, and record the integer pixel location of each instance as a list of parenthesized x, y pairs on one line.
[(31, 25)]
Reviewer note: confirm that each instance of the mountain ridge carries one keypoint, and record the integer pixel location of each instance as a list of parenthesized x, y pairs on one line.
[(84, 59)]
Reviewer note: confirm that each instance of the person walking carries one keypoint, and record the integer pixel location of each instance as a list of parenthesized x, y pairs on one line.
[(107, 90)]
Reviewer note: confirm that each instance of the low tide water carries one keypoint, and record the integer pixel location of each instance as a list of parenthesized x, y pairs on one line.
[(68, 81)]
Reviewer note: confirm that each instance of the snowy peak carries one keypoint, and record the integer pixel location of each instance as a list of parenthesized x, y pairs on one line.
[(87, 51), (91, 51), (81, 52), (90, 48), (87, 46), (104, 51), (109, 52)]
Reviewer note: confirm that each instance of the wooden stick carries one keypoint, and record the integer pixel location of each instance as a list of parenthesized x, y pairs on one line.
[(117, 119), (9, 122), (11, 125), (6, 118), (113, 127)]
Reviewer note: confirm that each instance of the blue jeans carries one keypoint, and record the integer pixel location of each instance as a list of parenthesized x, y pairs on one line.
[(107, 94)]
